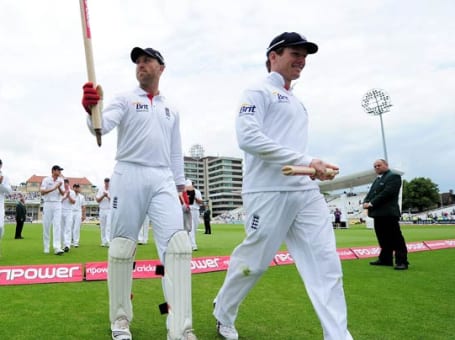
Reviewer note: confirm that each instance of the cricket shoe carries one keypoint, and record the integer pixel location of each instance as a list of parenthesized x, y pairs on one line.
[(58, 251), (121, 330), (187, 335), (227, 332)]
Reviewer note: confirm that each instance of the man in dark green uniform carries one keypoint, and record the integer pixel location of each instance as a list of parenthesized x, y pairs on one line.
[(382, 204), (21, 214)]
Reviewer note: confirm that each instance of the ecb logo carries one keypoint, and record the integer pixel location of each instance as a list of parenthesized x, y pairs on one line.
[(247, 109)]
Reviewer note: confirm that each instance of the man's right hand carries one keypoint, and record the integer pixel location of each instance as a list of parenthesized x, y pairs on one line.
[(321, 169), (90, 97)]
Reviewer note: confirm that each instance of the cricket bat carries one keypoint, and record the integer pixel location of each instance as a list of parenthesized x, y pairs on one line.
[(87, 35), (296, 170)]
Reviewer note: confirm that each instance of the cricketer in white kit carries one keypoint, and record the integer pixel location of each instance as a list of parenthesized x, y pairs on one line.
[(272, 130), (195, 200), (103, 198), (145, 182), (52, 190), (68, 201), (143, 237), (79, 211), (5, 189)]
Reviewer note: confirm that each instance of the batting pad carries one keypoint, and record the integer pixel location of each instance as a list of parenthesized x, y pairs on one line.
[(177, 285), (120, 278)]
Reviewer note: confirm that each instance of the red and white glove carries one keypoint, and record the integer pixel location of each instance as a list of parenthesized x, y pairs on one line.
[(90, 97)]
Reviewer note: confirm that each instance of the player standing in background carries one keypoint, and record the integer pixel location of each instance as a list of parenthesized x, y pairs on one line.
[(143, 237), (5, 189), (185, 202), (52, 190), (195, 199), (207, 218), (79, 214), (68, 201), (146, 180), (104, 200), (272, 130)]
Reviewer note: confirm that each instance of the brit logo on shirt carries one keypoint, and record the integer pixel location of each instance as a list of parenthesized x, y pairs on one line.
[(281, 97), (167, 113), (247, 109), (141, 107)]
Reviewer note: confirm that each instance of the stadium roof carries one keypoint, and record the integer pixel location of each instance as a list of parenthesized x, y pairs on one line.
[(72, 180), (351, 181)]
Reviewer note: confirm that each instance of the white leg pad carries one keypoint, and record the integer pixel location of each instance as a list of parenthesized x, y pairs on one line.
[(120, 278), (177, 286)]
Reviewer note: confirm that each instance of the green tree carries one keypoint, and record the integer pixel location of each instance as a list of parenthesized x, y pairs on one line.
[(420, 194)]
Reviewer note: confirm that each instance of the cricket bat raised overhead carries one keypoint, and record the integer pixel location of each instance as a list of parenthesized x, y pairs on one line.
[(87, 35), (300, 170)]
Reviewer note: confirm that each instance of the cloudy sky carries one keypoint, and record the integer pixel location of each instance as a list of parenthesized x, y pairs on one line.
[(213, 50)]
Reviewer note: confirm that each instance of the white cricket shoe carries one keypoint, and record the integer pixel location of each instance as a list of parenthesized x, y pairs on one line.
[(227, 332), (121, 330), (58, 251), (187, 335)]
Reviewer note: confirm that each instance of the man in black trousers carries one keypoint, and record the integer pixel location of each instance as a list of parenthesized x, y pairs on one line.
[(382, 204), (208, 228), (21, 214)]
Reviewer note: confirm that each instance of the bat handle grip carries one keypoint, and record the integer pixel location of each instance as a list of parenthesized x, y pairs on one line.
[(98, 136)]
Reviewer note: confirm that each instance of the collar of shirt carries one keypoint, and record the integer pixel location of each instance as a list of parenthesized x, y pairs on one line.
[(277, 79), (139, 91)]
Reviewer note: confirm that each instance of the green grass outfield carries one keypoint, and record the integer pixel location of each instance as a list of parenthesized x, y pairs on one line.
[(383, 304)]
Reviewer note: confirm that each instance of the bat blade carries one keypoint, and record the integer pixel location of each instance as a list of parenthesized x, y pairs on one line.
[(87, 36), (300, 170)]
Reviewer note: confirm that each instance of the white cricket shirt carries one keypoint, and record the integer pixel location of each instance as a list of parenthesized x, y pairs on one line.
[(105, 202), (272, 130), (5, 188), (79, 202), (66, 204), (53, 196), (148, 133)]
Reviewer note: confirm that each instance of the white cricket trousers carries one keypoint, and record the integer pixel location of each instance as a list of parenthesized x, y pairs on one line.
[(52, 214), (301, 220), (194, 226), (76, 227), (143, 236), (67, 220), (137, 191), (105, 226)]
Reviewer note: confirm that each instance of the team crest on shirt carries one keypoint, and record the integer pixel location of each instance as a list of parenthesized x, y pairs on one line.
[(247, 109), (281, 98), (167, 113), (255, 222), (141, 107)]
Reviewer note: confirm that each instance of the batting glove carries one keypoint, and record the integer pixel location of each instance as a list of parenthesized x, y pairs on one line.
[(90, 97)]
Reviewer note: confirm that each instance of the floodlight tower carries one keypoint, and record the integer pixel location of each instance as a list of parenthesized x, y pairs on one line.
[(197, 152), (376, 102)]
